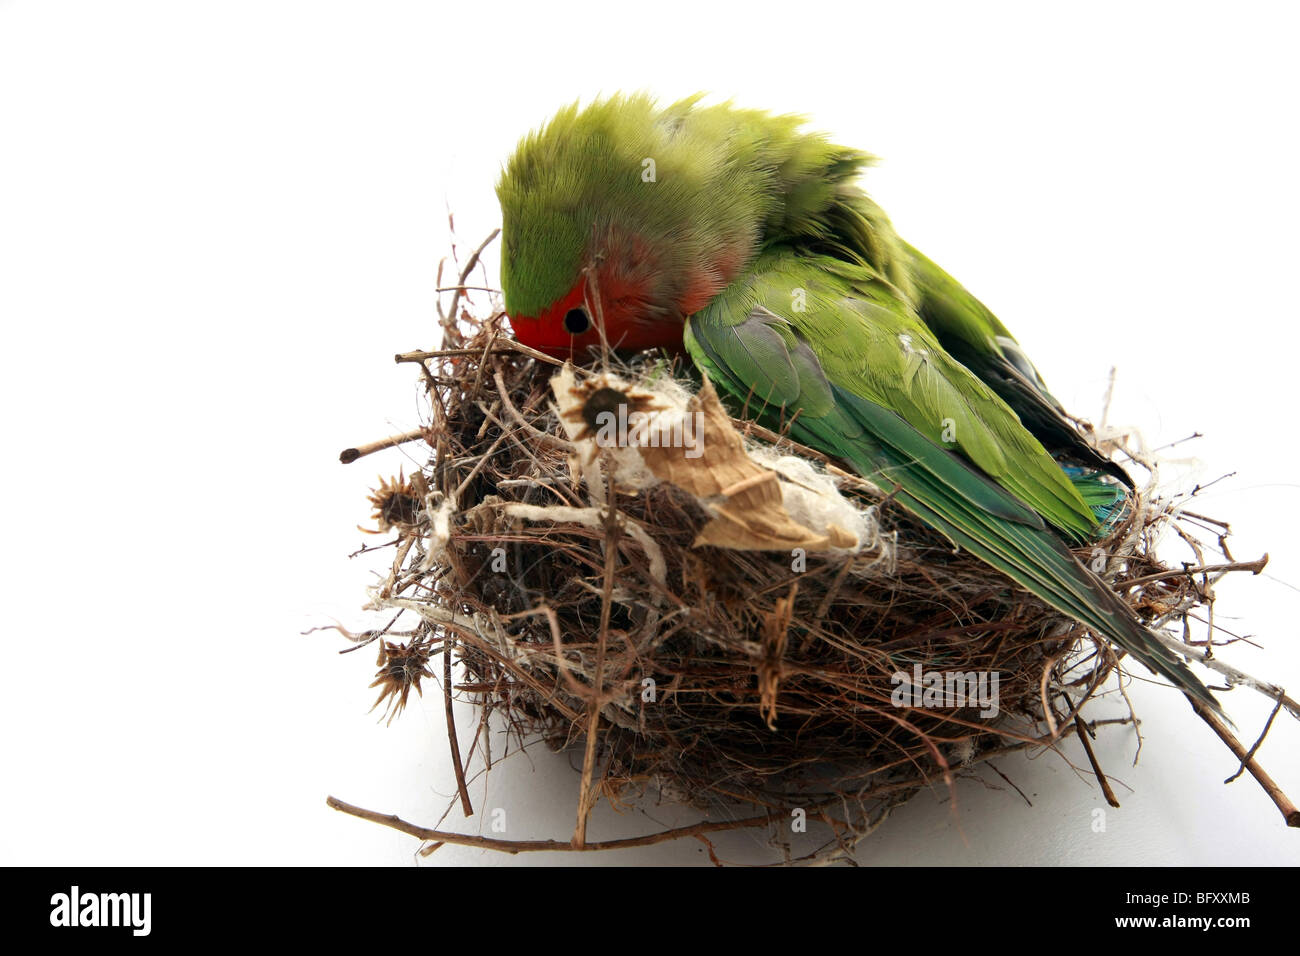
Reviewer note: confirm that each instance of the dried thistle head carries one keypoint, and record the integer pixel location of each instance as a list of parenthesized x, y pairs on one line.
[(601, 395), (397, 503), (401, 667)]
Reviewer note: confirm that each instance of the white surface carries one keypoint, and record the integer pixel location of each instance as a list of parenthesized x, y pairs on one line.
[(219, 221)]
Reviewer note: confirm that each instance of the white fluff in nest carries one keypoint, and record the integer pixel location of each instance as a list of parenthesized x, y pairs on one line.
[(814, 499)]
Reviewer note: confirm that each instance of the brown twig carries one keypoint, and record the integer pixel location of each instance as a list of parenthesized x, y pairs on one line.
[(1082, 734), (1288, 809), (349, 455), (547, 846), (452, 739), (587, 792), (1254, 567), (1250, 754), (498, 345), (451, 333)]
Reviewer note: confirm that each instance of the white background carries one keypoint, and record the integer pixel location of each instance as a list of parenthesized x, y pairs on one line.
[(218, 222)]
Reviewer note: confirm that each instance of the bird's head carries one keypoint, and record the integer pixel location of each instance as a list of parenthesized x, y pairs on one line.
[(607, 217)]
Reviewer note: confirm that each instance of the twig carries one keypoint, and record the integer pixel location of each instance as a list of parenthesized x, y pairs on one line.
[(450, 333), (1236, 676), (586, 792), (349, 455), (1268, 724), (1288, 809), (1254, 567), (545, 438), (451, 730), (498, 345), (1082, 734), (1200, 517), (1010, 782), (474, 472), (542, 846), (1110, 395)]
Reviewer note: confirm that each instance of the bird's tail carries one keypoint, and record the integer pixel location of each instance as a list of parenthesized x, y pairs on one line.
[(976, 514)]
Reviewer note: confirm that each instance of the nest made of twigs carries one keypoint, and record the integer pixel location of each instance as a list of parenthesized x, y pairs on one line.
[(587, 612)]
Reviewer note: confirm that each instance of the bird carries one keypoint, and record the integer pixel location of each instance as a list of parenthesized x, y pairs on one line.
[(736, 236)]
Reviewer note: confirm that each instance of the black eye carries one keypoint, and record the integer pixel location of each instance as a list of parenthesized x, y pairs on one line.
[(576, 321)]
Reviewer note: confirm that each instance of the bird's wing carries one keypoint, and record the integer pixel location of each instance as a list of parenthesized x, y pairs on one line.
[(976, 338), (870, 345), (812, 340)]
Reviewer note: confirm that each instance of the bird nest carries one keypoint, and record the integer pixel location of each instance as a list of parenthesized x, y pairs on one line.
[(735, 623)]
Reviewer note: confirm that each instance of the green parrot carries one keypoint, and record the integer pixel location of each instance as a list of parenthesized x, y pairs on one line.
[(746, 241)]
